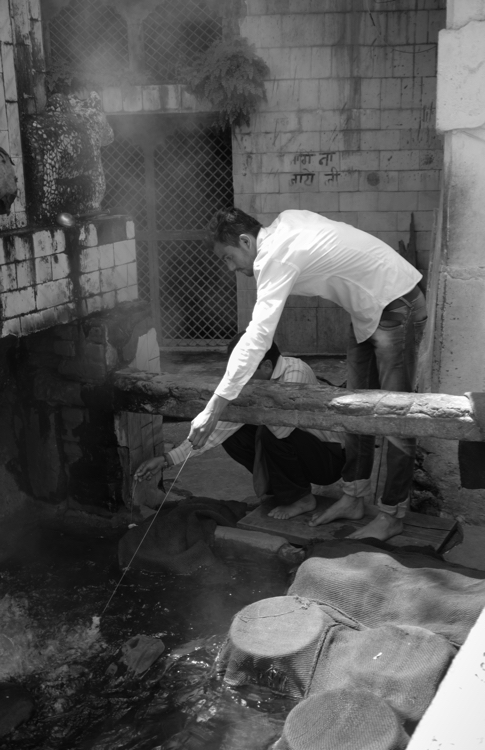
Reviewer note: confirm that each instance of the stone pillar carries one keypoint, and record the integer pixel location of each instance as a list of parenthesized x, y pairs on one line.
[(459, 353)]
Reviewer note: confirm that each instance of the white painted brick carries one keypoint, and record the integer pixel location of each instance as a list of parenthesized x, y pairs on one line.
[(371, 95), (131, 274), (399, 159), (378, 221), (32, 323), (396, 118), (151, 98), (374, 62), (4, 140), (301, 30), (124, 252), (330, 182), (265, 183), (368, 160), (398, 29), (3, 259), (106, 256), (420, 180), (357, 201), (60, 266), (25, 273), (367, 119), (34, 9), (380, 140), (306, 184), (275, 122), (321, 62), (320, 120), (89, 259), (53, 293), (8, 277), (397, 201), (403, 61), (428, 200), (5, 23), (90, 283), (43, 244), (130, 230), (8, 71), (386, 180), (14, 129), (170, 96), (309, 93), (11, 327), (262, 31), (3, 117), (19, 173), (333, 94), (132, 99), (319, 202), (112, 99), (113, 278), (425, 63), (128, 294), (411, 93), (429, 91), (88, 235), (420, 21), (17, 302), (276, 203), (425, 138), (343, 63), (391, 93), (43, 269), (430, 159), (282, 95), (256, 7), (92, 304)]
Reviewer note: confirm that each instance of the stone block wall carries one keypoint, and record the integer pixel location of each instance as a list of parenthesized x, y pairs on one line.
[(58, 411), (51, 276), (349, 126)]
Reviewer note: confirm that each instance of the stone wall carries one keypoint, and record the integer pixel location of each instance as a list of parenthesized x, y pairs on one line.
[(51, 276), (348, 129), (58, 437), (459, 354)]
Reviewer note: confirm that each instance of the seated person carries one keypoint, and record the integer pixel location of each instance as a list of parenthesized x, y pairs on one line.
[(284, 461)]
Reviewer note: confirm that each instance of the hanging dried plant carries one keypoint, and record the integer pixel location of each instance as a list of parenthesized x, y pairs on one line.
[(231, 77)]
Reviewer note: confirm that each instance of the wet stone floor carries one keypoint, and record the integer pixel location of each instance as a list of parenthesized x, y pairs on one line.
[(55, 580)]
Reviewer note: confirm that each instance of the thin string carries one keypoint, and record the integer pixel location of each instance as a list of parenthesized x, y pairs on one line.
[(145, 535)]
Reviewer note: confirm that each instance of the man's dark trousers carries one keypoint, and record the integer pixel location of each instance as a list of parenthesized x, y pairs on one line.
[(293, 463)]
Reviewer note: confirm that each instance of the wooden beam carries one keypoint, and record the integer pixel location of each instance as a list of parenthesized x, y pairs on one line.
[(318, 406)]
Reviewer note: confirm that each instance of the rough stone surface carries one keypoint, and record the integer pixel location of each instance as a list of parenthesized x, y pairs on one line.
[(374, 412)]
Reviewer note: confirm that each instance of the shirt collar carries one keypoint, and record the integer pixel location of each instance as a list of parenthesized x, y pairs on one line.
[(279, 368)]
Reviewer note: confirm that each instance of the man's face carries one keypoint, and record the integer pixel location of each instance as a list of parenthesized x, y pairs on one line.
[(238, 258)]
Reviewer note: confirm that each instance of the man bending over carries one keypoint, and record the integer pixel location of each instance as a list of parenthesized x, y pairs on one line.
[(284, 461), (307, 254)]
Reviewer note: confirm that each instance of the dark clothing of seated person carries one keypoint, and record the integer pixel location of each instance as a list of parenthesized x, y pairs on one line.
[(284, 461)]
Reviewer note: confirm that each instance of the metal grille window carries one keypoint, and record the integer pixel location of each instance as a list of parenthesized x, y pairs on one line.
[(175, 33), (172, 183), (89, 35)]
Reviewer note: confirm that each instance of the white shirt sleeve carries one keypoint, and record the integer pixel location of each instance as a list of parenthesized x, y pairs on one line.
[(275, 282), (222, 431)]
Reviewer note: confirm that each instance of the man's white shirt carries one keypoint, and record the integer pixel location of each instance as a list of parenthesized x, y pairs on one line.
[(287, 370), (307, 254)]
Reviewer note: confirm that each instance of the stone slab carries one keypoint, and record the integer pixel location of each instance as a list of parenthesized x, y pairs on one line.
[(419, 530)]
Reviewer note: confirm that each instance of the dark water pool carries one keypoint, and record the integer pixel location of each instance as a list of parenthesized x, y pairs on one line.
[(53, 584)]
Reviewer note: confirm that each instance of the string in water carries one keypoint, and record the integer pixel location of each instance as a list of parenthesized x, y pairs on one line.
[(142, 539)]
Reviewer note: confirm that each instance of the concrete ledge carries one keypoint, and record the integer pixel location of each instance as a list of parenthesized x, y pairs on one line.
[(253, 539)]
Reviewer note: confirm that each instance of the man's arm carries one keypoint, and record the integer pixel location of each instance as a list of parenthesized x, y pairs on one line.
[(275, 283)]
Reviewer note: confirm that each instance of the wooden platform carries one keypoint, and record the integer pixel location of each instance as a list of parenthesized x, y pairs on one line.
[(419, 530)]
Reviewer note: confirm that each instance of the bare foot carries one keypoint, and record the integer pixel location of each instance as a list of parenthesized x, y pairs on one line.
[(283, 512), (382, 527), (346, 507)]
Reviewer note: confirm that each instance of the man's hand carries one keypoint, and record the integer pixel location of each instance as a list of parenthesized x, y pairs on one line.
[(205, 423), (148, 468)]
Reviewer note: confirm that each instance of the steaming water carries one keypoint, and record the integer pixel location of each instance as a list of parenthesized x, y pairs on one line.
[(84, 696)]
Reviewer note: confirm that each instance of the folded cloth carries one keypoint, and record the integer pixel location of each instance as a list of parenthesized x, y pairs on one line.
[(180, 540), (471, 455), (382, 588)]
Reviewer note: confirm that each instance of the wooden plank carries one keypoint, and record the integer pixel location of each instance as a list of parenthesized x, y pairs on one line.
[(297, 531), (320, 406)]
